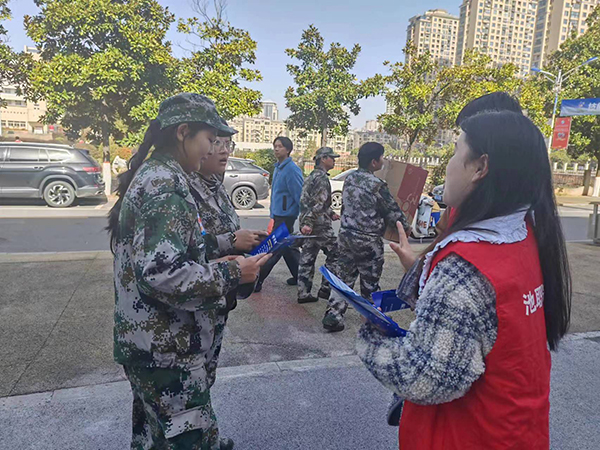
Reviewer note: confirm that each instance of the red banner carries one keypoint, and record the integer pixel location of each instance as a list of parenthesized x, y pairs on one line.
[(562, 130)]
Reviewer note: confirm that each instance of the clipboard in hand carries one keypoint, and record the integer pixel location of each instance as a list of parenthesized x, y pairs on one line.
[(363, 306), (278, 241)]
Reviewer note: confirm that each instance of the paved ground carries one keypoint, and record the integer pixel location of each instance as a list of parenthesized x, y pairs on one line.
[(79, 232), (56, 319), (324, 404)]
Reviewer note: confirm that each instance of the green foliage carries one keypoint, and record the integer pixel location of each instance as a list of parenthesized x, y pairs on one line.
[(217, 67), (326, 90), (438, 173), (582, 83), (101, 61), (425, 98), (559, 156), (264, 158), (14, 67)]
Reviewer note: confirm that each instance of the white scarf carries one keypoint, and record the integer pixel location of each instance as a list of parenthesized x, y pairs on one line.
[(499, 230)]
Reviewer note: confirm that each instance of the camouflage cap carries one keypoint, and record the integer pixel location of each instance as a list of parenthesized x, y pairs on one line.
[(190, 107), (326, 151)]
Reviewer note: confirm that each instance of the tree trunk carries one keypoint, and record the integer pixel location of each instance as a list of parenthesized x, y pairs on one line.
[(596, 192), (106, 172), (324, 132)]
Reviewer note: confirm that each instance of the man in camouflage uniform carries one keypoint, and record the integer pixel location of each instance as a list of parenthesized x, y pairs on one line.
[(367, 209), (316, 216), (168, 297)]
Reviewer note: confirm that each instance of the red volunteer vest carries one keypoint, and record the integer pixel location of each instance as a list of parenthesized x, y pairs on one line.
[(508, 406)]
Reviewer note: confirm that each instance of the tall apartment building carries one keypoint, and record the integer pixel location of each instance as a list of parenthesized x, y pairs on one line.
[(21, 117), (269, 110), (257, 130), (502, 29), (437, 31), (556, 19)]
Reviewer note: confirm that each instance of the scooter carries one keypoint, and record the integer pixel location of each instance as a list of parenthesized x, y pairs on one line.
[(427, 216)]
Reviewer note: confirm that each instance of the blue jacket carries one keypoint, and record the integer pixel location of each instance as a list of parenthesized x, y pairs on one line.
[(286, 189)]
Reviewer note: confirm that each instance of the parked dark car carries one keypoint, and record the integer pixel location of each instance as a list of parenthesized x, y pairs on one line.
[(246, 183), (57, 173)]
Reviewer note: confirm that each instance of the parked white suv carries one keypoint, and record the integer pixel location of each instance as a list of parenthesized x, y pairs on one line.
[(337, 186)]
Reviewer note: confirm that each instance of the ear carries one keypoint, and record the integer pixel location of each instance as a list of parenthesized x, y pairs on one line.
[(182, 132), (482, 168)]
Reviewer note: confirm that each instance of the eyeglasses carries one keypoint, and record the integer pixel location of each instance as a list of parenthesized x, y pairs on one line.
[(226, 145)]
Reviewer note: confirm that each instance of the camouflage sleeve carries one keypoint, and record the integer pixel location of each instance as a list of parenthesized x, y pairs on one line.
[(389, 209), (315, 200), (163, 267), (219, 245)]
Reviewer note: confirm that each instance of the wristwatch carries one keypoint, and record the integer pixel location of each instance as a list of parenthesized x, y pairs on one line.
[(233, 238)]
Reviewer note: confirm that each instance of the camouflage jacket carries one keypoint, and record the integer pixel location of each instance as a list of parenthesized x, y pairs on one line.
[(315, 202), (166, 293), (368, 206), (217, 213)]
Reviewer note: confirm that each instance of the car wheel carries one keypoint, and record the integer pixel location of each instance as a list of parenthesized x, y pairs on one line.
[(243, 198), (59, 194), (336, 200)]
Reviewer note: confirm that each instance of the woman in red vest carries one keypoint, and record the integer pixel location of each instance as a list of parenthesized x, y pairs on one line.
[(492, 298)]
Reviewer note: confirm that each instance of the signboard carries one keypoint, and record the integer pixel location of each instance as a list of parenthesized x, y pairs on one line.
[(581, 107), (406, 183), (562, 129)]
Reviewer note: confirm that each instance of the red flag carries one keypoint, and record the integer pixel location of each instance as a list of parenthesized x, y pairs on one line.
[(562, 130)]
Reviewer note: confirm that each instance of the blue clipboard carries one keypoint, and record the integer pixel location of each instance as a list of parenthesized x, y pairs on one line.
[(278, 240), (363, 306)]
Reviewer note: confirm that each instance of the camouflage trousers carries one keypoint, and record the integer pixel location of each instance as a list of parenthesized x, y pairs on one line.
[(310, 251), (172, 409), (358, 255)]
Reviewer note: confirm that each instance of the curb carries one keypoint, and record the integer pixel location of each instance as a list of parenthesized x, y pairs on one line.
[(53, 256)]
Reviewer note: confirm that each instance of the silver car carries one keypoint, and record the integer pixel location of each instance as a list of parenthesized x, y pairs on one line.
[(246, 183)]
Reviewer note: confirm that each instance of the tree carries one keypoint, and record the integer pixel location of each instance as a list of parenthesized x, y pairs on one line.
[(425, 98), (583, 83), (413, 98), (217, 66), (14, 67), (100, 62), (326, 91)]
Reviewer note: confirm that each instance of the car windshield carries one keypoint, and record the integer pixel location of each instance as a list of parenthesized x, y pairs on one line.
[(342, 176)]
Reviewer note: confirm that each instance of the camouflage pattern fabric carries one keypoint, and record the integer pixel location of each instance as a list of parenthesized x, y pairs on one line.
[(358, 255), (220, 221), (316, 212), (167, 295), (191, 107), (308, 258), (367, 209), (172, 410)]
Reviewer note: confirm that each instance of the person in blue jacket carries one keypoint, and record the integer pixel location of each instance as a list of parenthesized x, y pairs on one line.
[(286, 190)]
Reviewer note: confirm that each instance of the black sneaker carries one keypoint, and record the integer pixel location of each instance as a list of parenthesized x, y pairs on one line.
[(324, 293), (292, 281), (309, 299), (258, 287), (330, 323), (225, 444)]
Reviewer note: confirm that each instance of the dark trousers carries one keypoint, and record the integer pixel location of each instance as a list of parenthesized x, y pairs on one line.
[(290, 255)]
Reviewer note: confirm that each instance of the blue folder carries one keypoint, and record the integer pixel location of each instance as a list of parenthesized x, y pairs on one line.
[(278, 240), (388, 301), (363, 306)]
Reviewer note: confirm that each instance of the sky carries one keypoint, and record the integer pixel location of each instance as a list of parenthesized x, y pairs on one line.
[(379, 26)]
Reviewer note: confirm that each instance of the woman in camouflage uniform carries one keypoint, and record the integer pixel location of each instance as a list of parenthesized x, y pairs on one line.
[(222, 224), (167, 294)]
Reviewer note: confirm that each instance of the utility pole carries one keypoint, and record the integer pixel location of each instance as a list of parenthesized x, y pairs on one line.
[(558, 81)]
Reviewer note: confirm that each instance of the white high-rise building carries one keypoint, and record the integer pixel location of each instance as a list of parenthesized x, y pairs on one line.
[(556, 20), (435, 31), (269, 110), (502, 29)]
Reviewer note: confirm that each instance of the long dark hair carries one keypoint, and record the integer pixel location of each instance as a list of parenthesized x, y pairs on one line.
[(519, 176), (160, 140)]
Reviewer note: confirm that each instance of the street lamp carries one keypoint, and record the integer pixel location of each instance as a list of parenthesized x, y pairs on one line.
[(558, 81)]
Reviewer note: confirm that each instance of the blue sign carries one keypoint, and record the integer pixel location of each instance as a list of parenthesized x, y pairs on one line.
[(582, 107)]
